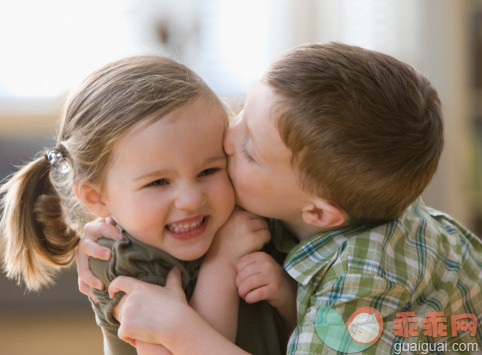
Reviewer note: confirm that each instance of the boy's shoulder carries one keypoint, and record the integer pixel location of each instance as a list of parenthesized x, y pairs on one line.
[(392, 249)]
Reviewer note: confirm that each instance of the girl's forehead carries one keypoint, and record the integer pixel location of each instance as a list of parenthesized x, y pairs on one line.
[(191, 125), (211, 113), (181, 147)]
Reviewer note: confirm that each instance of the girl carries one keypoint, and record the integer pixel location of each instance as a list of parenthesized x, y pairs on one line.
[(139, 141)]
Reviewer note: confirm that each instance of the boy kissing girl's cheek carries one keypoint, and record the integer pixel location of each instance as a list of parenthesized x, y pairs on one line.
[(264, 175)]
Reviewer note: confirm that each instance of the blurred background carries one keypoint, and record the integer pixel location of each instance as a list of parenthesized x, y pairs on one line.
[(48, 46)]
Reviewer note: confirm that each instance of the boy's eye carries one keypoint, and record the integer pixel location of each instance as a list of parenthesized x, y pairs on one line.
[(159, 182), (209, 171), (245, 153)]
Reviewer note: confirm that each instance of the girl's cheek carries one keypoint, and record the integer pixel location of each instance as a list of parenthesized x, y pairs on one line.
[(155, 201), (222, 190)]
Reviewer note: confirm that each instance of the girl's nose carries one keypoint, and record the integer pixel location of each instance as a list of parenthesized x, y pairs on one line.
[(190, 198)]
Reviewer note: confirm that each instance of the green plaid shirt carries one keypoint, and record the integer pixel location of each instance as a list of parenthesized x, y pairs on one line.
[(422, 262)]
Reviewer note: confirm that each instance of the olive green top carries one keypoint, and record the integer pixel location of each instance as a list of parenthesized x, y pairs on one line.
[(260, 329), (131, 257)]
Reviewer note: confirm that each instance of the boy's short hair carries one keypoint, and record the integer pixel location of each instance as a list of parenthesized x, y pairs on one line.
[(365, 129)]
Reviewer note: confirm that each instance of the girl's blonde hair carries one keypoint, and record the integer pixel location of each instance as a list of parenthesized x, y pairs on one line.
[(42, 219)]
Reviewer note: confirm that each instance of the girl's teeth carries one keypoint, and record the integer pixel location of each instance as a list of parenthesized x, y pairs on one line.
[(186, 227)]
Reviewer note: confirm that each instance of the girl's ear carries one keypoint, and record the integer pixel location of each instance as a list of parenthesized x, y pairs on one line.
[(323, 214), (90, 196)]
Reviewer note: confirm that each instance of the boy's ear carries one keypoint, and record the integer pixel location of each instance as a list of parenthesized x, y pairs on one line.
[(90, 196), (323, 214)]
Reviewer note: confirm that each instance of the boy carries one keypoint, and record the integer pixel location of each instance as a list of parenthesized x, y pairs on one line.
[(364, 132), (337, 143)]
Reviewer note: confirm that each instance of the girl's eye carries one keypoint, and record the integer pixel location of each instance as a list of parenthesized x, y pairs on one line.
[(246, 154), (159, 182), (209, 171)]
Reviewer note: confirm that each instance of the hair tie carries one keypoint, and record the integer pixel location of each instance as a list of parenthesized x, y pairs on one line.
[(58, 161)]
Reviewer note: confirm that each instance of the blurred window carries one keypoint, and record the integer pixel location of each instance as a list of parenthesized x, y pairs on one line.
[(48, 46)]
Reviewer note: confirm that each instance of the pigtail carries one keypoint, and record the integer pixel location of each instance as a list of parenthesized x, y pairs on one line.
[(36, 238)]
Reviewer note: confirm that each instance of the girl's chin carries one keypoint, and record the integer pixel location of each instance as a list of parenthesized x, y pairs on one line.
[(190, 255)]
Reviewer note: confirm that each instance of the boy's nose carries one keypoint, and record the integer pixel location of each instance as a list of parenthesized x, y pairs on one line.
[(228, 142), (190, 199), (231, 134)]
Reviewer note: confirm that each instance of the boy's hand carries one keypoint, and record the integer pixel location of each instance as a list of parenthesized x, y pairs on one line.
[(161, 315), (151, 313), (260, 277), (243, 233), (88, 247)]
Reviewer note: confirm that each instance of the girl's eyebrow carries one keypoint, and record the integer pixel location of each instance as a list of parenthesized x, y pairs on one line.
[(214, 158), (152, 174), (169, 172)]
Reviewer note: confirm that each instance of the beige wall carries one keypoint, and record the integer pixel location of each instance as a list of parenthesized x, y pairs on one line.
[(39, 333), (445, 59), (433, 36)]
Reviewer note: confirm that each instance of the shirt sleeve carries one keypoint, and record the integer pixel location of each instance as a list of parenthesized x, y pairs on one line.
[(345, 295), (124, 261), (107, 271), (131, 257), (114, 345), (103, 270), (104, 309)]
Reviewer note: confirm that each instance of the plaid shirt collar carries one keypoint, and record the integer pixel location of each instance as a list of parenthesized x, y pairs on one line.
[(307, 258)]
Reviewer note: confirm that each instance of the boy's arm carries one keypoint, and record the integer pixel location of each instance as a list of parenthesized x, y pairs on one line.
[(345, 295), (260, 277), (215, 297)]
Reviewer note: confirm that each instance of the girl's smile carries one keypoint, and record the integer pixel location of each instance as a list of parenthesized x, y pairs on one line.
[(188, 228)]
